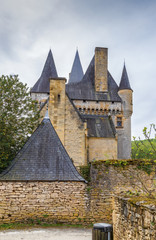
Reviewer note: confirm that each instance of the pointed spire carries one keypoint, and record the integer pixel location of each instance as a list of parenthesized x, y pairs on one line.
[(49, 71), (124, 83), (76, 74)]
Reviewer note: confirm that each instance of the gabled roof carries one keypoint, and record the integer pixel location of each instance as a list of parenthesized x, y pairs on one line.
[(85, 89), (43, 158), (100, 126), (49, 71), (124, 83), (76, 74)]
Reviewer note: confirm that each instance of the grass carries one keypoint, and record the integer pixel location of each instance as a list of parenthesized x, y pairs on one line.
[(39, 224)]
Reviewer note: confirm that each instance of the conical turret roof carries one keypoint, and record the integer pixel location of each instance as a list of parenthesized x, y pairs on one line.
[(43, 158), (124, 83), (49, 71), (77, 72)]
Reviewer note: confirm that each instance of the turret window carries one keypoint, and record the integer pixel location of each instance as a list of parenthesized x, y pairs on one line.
[(119, 121)]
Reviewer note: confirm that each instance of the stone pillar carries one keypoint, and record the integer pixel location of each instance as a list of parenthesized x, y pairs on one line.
[(57, 105), (101, 59)]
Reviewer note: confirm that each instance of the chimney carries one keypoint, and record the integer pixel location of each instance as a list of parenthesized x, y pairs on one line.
[(57, 105), (101, 59)]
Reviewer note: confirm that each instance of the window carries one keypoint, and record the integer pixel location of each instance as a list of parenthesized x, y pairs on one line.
[(119, 121), (59, 97)]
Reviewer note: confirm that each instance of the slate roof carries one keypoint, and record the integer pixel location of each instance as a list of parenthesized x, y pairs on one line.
[(100, 126), (43, 158), (76, 74), (124, 83), (85, 89), (49, 71)]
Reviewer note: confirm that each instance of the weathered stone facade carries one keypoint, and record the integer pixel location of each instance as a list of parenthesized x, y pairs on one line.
[(133, 221), (70, 202), (58, 201), (96, 95), (109, 178), (102, 148)]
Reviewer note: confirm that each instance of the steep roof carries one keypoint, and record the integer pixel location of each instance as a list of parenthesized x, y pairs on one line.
[(49, 71), (43, 158), (100, 126), (85, 89), (124, 83), (77, 72)]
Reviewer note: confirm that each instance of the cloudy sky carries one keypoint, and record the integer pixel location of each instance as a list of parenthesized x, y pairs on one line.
[(28, 29)]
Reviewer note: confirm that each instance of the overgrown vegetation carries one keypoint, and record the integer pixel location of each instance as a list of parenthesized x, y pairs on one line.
[(145, 149), (18, 117), (38, 224), (85, 172)]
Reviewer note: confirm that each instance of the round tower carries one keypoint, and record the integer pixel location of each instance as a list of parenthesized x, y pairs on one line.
[(124, 133)]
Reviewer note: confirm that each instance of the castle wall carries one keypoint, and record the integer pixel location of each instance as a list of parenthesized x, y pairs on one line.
[(47, 201), (71, 202), (102, 148), (113, 177), (98, 107), (124, 139), (40, 97), (75, 142), (133, 221)]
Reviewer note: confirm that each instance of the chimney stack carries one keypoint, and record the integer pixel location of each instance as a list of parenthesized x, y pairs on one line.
[(101, 61)]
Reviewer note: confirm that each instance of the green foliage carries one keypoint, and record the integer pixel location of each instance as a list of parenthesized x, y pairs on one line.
[(85, 172), (145, 149), (18, 117), (31, 223)]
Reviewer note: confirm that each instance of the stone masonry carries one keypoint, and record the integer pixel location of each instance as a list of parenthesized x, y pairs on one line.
[(133, 221)]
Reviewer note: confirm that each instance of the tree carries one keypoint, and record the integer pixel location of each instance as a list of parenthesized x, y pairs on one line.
[(145, 149), (18, 117)]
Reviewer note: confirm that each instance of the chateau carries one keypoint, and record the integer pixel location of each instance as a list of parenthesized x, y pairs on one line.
[(90, 113)]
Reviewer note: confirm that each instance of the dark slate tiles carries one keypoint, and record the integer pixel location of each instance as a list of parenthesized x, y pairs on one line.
[(49, 71), (76, 74), (100, 126), (124, 83), (43, 158), (85, 89)]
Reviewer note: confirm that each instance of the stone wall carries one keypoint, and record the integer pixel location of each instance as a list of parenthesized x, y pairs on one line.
[(102, 148), (113, 177), (71, 202), (50, 201), (75, 141), (133, 221)]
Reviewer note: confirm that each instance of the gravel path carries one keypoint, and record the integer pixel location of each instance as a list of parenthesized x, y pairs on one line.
[(47, 234)]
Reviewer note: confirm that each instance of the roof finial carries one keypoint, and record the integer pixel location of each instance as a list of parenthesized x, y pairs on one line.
[(124, 62)]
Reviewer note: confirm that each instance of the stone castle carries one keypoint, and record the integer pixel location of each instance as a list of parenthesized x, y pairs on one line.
[(91, 113)]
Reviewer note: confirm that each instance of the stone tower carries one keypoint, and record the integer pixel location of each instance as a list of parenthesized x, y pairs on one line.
[(124, 134)]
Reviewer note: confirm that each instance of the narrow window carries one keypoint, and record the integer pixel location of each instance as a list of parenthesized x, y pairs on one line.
[(119, 121), (59, 97)]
